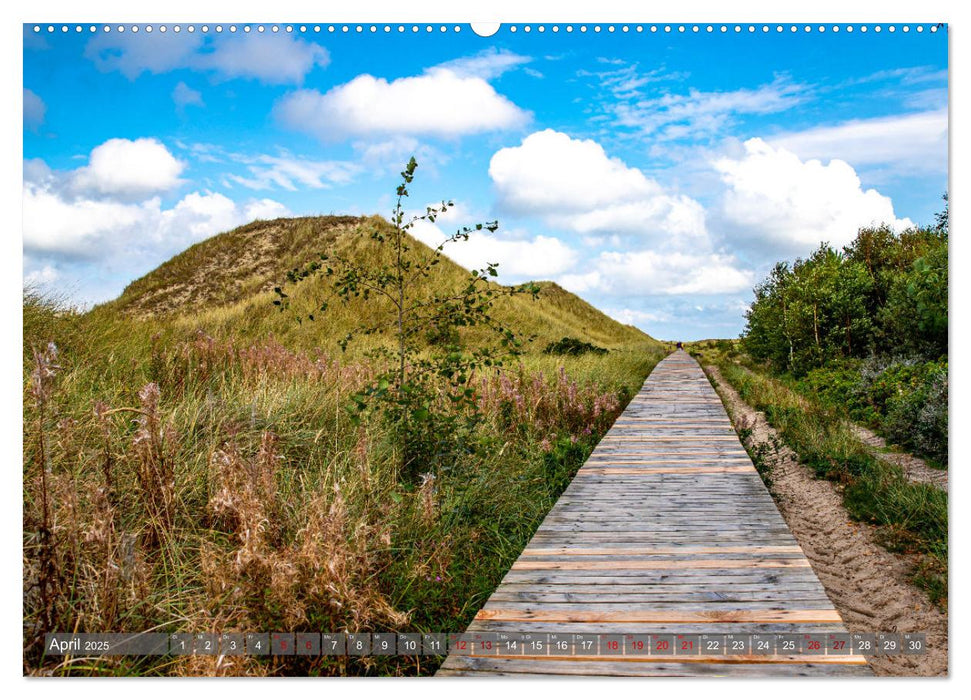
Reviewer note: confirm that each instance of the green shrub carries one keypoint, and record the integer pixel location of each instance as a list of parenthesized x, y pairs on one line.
[(572, 346), (906, 400)]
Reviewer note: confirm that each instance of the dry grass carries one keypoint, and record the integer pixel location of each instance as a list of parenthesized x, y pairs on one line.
[(188, 480)]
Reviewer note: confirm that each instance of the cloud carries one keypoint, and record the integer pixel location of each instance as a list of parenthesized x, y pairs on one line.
[(438, 103), (774, 198), (390, 155), (573, 184), (651, 272), (923, 100), (625, 80), (203, 214), (83, 227), (912, 75), (550, 172), (204, 152), (41, 277), (280, 171), (102, 245), (34, 110), (487, 64), (910, 141), (184, 96), (634, 317), (134, 54), (77, 227), (289, 173), (273, 59), (519, 256), (130, 169), (699, 113), (91, 228)]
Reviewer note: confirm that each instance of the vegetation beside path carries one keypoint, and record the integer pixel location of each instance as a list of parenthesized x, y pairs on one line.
[(910, 517)]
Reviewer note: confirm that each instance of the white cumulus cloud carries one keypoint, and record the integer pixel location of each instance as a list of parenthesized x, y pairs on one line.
[(77, 227), (129, 169), (437, 103), (651, 273), (84, 227), (573, 184), (520, 256), (86, 230), (775, 198)]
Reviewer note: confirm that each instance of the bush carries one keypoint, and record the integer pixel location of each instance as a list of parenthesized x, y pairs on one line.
[(918, 418), (907, 400), (836, 384), (572, 346), (902, 398)]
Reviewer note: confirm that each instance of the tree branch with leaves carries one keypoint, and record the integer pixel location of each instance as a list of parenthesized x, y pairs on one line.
[(397, 285)]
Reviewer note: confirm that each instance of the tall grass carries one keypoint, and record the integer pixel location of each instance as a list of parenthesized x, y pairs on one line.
[(191, 480), (911, 517)]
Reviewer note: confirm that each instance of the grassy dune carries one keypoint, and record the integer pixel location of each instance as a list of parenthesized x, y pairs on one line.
[(189, 465)]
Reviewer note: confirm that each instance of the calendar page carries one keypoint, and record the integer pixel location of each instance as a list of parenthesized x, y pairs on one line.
[(524, 348)]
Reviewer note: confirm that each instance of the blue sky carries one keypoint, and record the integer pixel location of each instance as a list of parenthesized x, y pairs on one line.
[(657, 175)]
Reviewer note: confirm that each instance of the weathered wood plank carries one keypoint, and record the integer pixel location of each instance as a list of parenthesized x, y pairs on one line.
[(580, 551), (660, 616), (524, 667), (653, 627), (677, 564)]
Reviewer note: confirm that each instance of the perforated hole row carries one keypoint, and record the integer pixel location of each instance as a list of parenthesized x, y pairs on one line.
[(512, 28)]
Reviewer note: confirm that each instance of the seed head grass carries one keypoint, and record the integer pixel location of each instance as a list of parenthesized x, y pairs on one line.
[(190, 465)]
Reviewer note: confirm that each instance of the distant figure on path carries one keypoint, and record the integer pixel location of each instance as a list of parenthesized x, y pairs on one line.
[(680, 346)]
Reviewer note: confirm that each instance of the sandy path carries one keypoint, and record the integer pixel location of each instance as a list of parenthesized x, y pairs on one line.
[(869, 586), (914, 468)]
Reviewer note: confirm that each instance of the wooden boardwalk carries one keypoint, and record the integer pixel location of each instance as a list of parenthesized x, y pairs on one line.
[(666, 529)]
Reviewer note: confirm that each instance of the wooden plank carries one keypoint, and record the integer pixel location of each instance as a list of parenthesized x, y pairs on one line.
[(541, 627), (578, 551), (660, 616), (521, 666), (839, 660), (606, 471), (681, 439), (672, 564)]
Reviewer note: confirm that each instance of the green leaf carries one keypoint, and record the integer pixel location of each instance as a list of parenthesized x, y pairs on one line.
[(420, 414)]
